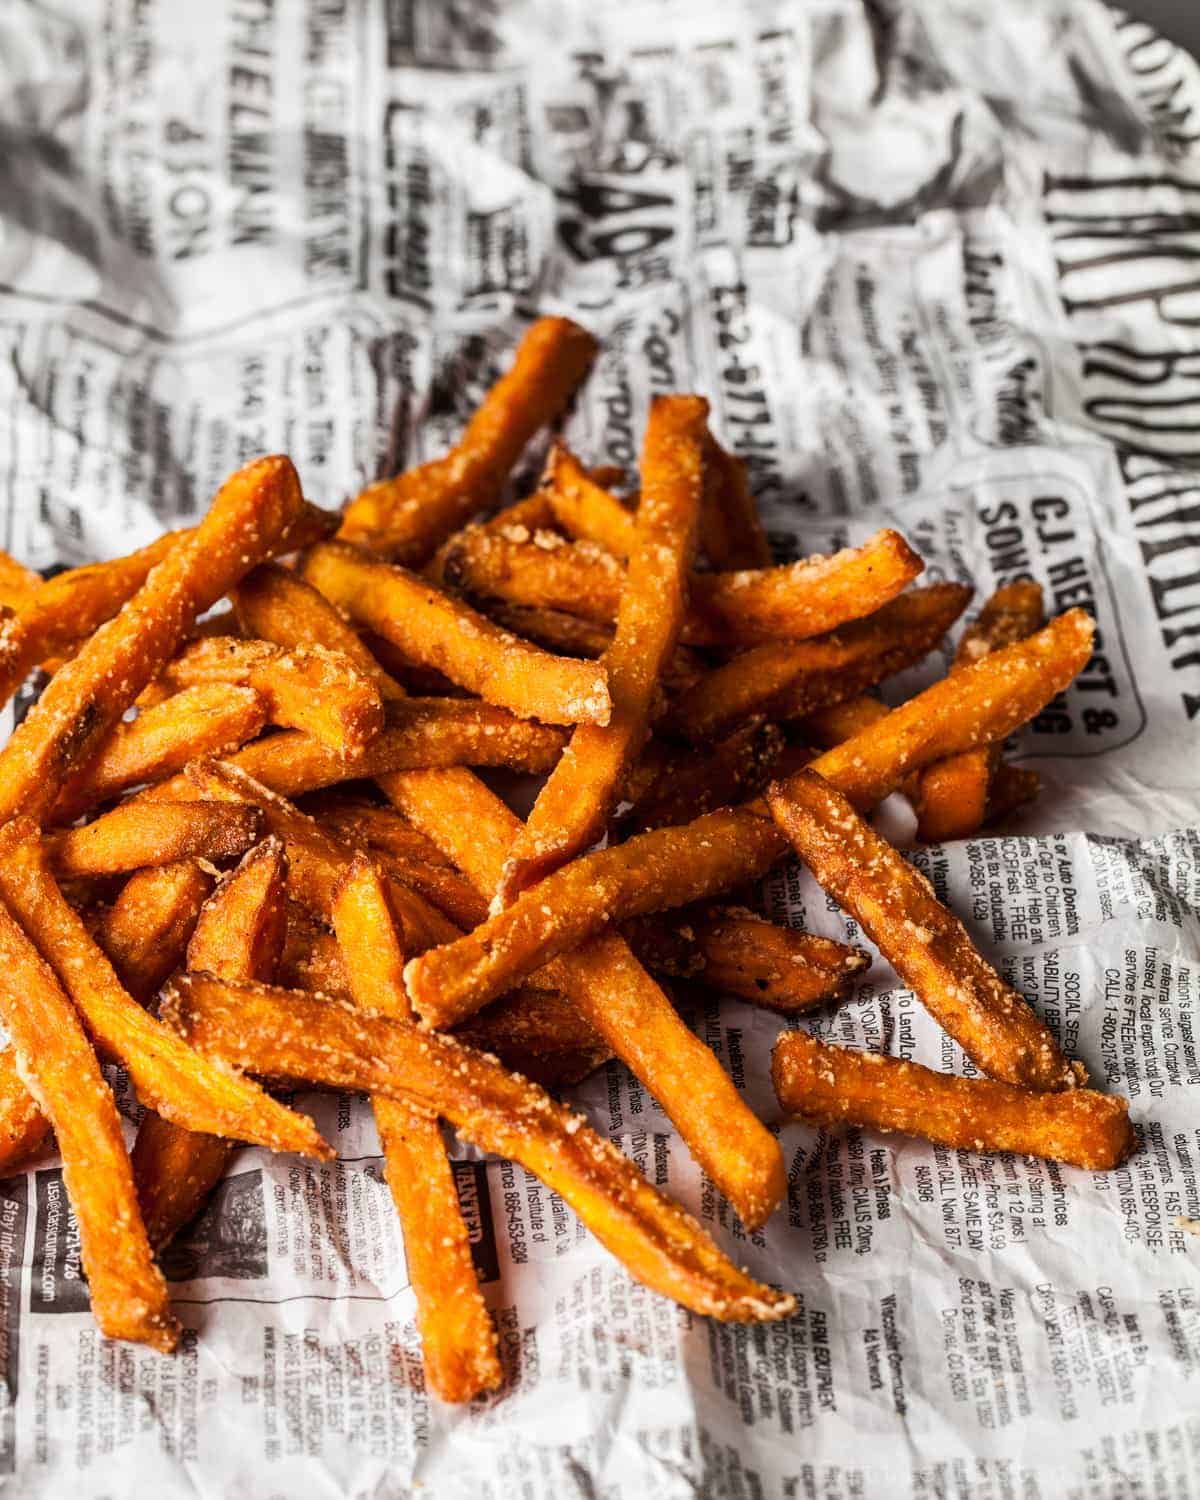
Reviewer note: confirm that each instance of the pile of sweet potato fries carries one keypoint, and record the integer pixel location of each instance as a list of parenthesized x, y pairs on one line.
[(280, 866)]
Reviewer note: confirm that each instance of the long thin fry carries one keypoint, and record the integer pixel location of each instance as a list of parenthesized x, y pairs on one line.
[(129, 1295), (145, 932), (141, 833), (410, 516), (297, 1036), (583, 508), (573, 807), (434, 630), (731, 530), (828, 1085), (457, 1336), (926, 945), (249, 517)]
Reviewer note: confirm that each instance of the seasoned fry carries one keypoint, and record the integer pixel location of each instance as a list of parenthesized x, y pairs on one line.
[(437, 631), (311, 959), (129, 1295), (740, 953), (249, 518), (828, 1085), (573, 807), (926, 945), (308, 688), (239, 936), (746, 608), (145, 932), (457, 1336), (788, 679), (275, 604), (204, 720), (409, 517), (731, 530), (24, 1129), (330, 1043), (952, 795), (626, 1007), (583, 507), (689, 784), (141, 833), (166, 1074)]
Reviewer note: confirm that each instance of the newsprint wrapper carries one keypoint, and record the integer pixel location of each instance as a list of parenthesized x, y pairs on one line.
[(935, 265)]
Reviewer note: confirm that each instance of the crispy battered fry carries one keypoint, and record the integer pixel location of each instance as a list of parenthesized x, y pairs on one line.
[(24, 1129), (297, 1036), (249, 519), (410, 516), (129, 1295), (437, 631), (573, 807), (457, 1336), (167, 1075), (788, 679), (731, 530), (239, 936), (583, 507), (275, 604), (829, 1085), (689, 783), (926, 945), (204, 720), (145, 932), (308, 688), (141, 833)]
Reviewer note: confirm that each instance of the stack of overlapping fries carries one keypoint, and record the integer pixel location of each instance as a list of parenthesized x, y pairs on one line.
[(281, 867)]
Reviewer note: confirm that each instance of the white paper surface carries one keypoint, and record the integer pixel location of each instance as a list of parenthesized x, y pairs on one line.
[(933, 264)]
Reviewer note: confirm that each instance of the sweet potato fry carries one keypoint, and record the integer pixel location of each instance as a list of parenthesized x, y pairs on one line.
[(275, 604), (746, 608), (206, 720), (740, 953), (828, 1085), (370, 825), (129, 1295), (333, 1044), (691, 783), (573, 806), (540, 1033), (437, 631), (457, 1336), (788, 679), (731, 530), (140, 833), (166, 1074), (410, 516), (311, 959), (926, 945), (837, 722), (249, 518), (308, 688), (952, 795), (24, 1129), (584, 508), (18, 583), (145, 932), (239, 935)]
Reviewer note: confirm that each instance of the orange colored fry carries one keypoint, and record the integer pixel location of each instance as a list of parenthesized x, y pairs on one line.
[(540, 1033), (145, 932), (311, 959), (583, 507), (457, 1336), (731, 530), (249, 518), (926, 945), (691, 783), (18, 583), (129, 1295), (410, 516), (141, 833), (24, 1129), (333, 1044), (828, 1085), (573, 806), (434, 630)]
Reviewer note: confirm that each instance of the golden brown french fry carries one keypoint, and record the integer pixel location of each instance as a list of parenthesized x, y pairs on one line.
[(145, 932), (275, 604), (205, 720), (239, 935), (166, 1074), (329, 1043), (691, 783), (141, 833), (731, 530), (952, 795), (746, 608), (457, 1336), (926, 944), (308, 688), (788, 679), (249, 518), (24, 1129), (434, 630), (828, 1085), (129, 1295), (584, 508), (410, 516), (573, 806)]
